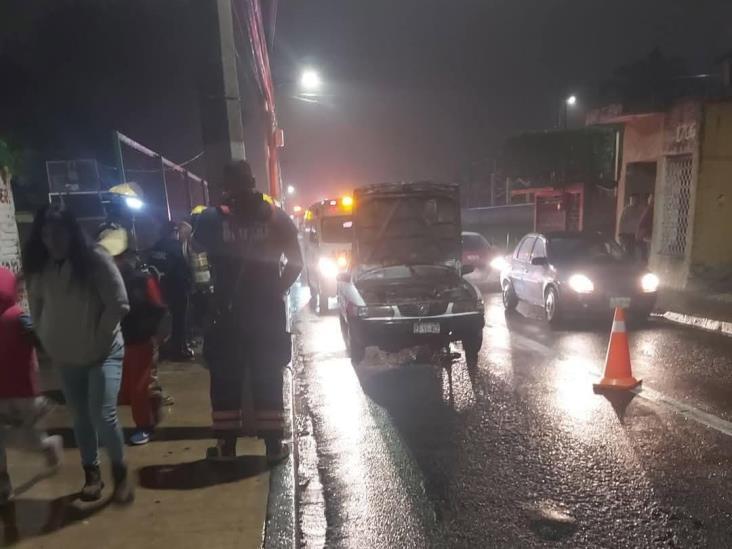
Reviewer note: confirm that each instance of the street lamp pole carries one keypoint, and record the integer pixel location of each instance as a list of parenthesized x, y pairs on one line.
[(568, 102)]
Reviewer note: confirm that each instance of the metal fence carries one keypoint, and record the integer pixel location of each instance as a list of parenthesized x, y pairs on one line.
[(172, 188), (676, 205)]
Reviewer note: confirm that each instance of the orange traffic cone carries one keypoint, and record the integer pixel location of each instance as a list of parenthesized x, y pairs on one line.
[(618, 374)]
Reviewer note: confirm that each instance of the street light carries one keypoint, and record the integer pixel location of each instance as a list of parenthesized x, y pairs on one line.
[(290, 189), (310, 81), (569, 102)]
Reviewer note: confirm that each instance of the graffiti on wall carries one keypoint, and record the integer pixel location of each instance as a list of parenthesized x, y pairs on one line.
[(681, 128), (9, 242)]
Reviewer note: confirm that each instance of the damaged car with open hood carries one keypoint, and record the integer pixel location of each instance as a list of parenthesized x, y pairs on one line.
[(405, 284)]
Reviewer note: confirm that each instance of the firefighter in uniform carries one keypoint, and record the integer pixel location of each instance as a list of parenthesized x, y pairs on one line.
[(255, 257), (198, 265)]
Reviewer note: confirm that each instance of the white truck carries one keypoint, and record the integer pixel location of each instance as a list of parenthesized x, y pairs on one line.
[(327, 235)]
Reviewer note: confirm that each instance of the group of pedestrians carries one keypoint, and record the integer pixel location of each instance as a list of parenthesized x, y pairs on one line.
[(77, 301), (96, 313)]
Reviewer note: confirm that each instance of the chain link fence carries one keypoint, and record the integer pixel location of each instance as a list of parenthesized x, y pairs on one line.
[(676, 205)]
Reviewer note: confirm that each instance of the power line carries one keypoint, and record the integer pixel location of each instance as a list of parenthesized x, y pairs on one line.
[(245, 39)]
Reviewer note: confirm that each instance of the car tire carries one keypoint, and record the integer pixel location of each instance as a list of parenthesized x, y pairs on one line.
[(471, 345), (552, 307), (355, 348), (313, 299), (510, 299), (322, 304)]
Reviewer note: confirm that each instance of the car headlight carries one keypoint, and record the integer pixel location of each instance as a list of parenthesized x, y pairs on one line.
[(375, 312), (327, 267), (499, 263), (650, 283), (476, 305), (581, 284)]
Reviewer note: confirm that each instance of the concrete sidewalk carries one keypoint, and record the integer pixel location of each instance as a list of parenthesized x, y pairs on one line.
[(182, 501), (709, 311)]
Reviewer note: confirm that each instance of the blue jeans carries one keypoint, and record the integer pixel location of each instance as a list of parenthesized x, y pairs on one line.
[(91, 395)]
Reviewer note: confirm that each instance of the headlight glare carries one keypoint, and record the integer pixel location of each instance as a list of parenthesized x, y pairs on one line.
[(650, 282), (327, 267), (581, 284), (499, 263)]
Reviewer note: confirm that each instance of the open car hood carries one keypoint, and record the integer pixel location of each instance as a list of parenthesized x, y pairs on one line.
[(406, 224)]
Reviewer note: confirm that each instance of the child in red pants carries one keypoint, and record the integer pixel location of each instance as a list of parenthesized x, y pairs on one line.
[(21, 404), (139, 329)]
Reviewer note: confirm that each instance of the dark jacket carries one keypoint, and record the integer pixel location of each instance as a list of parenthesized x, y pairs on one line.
[(245, 250), (168, 258)]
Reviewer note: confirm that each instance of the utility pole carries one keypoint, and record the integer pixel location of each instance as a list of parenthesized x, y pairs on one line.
[(221, 102)]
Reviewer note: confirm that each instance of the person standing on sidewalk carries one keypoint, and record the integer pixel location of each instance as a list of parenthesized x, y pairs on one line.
[(139, 330), (246, 239), (21, 405), (628, 225), (167, 257), (644, 234), (200, 275), (77, 300)]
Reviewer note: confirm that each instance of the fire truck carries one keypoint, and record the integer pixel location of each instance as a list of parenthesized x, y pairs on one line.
[(327, 234)]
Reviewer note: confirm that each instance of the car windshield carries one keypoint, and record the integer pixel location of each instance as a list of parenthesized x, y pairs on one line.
[(584, 248), (337, 229), (474, 242), (402, 272)]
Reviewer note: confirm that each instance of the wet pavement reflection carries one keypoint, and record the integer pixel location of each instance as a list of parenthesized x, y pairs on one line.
[(523, 453)]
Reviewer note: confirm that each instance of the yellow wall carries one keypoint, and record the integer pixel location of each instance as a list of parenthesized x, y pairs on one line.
[(712, 236)]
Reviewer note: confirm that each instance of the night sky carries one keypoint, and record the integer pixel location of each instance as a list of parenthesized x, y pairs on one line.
[(413, 88)]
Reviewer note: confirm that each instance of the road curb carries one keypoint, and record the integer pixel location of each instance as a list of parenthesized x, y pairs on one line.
[(708, 324), (280, 529)]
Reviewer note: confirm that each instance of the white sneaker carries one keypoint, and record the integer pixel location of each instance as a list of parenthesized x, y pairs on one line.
[(54, 451)]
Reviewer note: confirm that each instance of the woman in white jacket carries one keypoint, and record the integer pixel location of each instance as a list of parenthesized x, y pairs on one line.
[(77, 301)]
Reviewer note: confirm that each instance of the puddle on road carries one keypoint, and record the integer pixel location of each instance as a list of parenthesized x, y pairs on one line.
[(550, 521)]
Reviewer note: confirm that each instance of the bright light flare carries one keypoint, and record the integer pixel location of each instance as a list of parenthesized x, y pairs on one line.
[(297, 209), (310, 80), (581, 284), (327, 267), (290, 189), (650, 283), (499, 263), (133, 203), (342, 261), (572, 100), (347, 201)]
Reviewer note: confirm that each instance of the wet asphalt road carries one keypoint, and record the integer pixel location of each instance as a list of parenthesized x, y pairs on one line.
[(522, 454)]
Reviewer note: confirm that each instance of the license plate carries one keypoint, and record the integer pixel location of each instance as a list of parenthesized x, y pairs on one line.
[(622, 302), (427, 328)]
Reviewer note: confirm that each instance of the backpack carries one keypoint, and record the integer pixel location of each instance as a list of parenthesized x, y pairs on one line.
[(147, 309)]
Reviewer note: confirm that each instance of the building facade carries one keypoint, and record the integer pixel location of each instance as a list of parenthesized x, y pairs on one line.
[(683, 157)]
